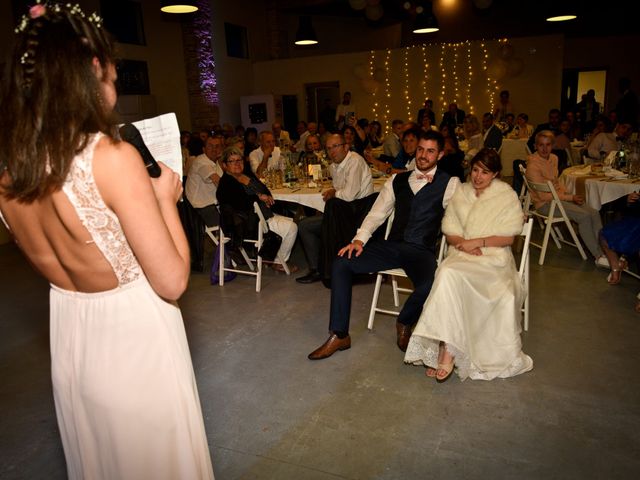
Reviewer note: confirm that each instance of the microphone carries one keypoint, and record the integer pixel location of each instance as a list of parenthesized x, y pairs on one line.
[(130, 134)]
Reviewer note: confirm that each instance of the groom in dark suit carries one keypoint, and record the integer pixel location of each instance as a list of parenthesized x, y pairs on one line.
[(419, 197)]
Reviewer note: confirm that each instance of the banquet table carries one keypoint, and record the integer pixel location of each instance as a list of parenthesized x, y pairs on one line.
[(312, 196), (597, 189), (512, 149)]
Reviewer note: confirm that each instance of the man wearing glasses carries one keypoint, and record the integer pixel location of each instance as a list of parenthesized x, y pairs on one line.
[(418, 197), (351, 179)]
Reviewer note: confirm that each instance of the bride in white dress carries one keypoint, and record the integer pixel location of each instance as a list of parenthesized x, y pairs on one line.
[(471, 318), (82, 208)]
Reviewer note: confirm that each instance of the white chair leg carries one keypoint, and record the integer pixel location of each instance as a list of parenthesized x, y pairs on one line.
[(545, 242), (258, 273), (243, 252), (396, 298), (577, 241), (374, 301), (284, 265)]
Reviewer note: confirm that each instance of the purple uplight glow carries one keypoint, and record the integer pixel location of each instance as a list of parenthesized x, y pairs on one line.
[(206, 64)]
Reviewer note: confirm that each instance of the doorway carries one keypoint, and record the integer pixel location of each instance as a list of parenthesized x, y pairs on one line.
[(322, 100), (576, 82)]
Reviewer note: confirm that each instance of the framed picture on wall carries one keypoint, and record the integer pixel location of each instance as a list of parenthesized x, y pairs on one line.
[(133, 77)]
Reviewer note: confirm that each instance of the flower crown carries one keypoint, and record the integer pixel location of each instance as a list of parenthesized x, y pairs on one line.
[(41, 9)]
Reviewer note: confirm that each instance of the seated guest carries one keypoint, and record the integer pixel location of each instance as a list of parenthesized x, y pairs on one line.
[(237, 192), (203, 179), (426, 110), (267, 156), (621, 239), (473, 135), (452, 117), (250, 141), (606, 142), (542, 165), (391, 146), (200, 188), (563, 141), (522, 130), (357, 143), (510, 123), (491, 134), (404, 159), (312, 149), (553, 124), (453, 160), (602, 125), (281, 136), (472, 316), (311, 129), (375, 134), (351, 179), (418, 197), (426, 124)]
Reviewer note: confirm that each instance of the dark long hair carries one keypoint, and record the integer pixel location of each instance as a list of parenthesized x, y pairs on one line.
[(50, 98)]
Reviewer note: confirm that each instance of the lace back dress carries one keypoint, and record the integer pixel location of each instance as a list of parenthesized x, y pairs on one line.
[(125, 393)]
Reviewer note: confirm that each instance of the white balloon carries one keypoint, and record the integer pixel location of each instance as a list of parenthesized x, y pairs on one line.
[(360, 71), (497, 69), (370, 86), (358, 4), (373, 12)]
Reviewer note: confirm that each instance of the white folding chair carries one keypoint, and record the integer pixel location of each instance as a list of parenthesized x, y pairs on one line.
[(393, 273), (254, 270), (548, 221)]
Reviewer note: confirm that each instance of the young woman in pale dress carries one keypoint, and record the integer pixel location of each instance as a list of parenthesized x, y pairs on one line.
[(82, 208)]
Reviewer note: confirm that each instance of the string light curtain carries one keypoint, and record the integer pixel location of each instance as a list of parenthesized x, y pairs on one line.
[(461, 75)]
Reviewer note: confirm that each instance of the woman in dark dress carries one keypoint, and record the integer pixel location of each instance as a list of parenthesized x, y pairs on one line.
[(236, 194)]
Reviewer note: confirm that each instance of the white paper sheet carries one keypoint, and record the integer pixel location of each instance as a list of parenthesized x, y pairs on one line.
[(161, 134)]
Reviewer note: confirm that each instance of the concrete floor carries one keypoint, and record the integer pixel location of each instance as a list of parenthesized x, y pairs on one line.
[(362, 414)]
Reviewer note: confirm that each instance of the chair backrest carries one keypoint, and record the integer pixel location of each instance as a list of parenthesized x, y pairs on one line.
[(524, 197), (264, 227), (526, 233)]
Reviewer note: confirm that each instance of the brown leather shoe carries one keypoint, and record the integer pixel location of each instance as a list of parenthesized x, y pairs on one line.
[(404, 334), (331, 346)]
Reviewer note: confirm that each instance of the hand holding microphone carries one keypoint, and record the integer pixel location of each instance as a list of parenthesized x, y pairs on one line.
[(130, 134)]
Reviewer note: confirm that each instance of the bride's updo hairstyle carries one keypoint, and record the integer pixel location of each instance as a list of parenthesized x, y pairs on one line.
[(50, 97), (490, 159)]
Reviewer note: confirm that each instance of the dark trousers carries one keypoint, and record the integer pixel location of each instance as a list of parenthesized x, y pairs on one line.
[(418, 262)]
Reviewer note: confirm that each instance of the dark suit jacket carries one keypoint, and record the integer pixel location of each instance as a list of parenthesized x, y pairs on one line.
[(493, 138), (447, 119)]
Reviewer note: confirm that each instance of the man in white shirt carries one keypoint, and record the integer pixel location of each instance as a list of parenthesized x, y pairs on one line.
[(203, 178), (267, 156), (351, 181), (418, 198), (310, 129), (606, 142)]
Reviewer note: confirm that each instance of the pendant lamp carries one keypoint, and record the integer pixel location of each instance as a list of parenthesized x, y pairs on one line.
[(426, 21), (305, 35), (178, 6)]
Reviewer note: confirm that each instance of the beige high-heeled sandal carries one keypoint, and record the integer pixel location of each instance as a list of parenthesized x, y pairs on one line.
[(447, 368)]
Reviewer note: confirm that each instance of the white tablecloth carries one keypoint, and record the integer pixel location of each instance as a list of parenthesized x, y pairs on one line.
[(512, 149), (599, 191), (312, 197)]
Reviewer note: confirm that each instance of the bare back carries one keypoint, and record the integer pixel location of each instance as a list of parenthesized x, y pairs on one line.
[(52, 231)]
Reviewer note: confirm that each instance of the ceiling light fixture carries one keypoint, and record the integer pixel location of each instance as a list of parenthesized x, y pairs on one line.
[(561, 18), (426, 21), (178, 6), (305, 35)]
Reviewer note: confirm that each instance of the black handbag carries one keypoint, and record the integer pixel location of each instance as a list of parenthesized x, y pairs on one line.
[(271, 242)]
